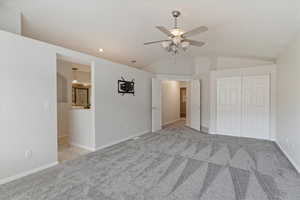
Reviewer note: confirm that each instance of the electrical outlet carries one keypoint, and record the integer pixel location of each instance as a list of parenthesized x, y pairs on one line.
[(28, 154)]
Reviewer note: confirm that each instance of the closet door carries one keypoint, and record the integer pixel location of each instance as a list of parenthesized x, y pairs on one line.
[(229, 106), (256, 107)]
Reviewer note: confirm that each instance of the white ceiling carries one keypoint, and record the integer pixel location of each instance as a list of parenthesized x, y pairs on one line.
[(253, 28)]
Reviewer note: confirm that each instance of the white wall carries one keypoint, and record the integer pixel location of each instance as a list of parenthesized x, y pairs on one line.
[(175, 65), (28, 105), (170, 99), (119, 117), (10, 20), (64, 97), (28, 111), (83, 77), (183, 84), (81, 128), (234, 62), (288, 101), (202, 72)]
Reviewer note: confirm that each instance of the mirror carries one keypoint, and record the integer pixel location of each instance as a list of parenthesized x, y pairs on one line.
[(81, 96)]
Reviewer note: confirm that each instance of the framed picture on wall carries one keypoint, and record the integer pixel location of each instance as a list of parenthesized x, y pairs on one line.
[(80, 96)]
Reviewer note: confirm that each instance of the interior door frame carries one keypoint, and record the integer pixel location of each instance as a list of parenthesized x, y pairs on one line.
[(171, 77), (156, 105), (195, 104)]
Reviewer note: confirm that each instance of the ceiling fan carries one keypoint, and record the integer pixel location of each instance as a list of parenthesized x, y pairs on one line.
[(178, 38)]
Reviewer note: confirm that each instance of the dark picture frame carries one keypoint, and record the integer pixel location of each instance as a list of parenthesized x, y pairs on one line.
[(76, 92), (126, 87)]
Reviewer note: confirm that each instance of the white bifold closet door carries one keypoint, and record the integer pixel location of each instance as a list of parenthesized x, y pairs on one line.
[(243, 106), (229, 106), (256, 107)]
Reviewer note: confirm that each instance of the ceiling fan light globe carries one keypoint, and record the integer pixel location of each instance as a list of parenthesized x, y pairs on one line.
[(174, 48), (165, 44), (177, 40), (177, 32), (185, 44)]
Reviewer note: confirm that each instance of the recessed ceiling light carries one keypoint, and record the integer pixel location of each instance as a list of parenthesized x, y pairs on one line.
[(75, 75), (100, 50)]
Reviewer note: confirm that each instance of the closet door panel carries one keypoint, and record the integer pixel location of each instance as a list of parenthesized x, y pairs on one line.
[(229, 106), (256, 107)]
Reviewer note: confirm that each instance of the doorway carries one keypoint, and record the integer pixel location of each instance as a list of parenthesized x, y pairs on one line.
[(166, 103), (73, 109), (173, 98), (182, 103)]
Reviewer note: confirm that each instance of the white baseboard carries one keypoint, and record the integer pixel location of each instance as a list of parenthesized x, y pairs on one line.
[(119, 141), (82, 146), (171, 122), (212, 131), (288, 156), (12, 178), (204, 129), (192, 128), (15, 177)]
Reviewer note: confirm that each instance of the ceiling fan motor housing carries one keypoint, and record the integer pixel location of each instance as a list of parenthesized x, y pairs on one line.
[(176, 13), (177, 38)]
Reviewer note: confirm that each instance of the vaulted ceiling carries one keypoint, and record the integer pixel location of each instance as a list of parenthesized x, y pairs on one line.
[(253, 29)]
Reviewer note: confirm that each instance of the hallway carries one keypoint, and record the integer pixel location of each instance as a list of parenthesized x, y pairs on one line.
[(178, 124)]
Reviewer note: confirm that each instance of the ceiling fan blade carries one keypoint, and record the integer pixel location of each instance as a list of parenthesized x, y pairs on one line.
[(156, 42), (195, 31), (165, 31), (195, 43)]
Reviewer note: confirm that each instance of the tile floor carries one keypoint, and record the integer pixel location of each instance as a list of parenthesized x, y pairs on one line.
[(68, 152)]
